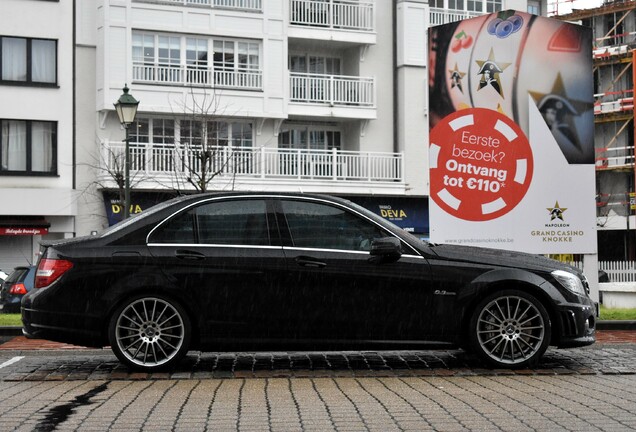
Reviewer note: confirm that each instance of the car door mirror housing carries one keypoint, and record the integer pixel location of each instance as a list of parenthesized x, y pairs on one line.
[(386, 250)]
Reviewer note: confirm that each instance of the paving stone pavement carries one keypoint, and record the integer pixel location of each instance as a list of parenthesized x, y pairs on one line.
[(469, 403), (604, 359), (588, 389)]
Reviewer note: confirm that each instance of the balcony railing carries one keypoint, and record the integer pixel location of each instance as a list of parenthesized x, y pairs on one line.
[(444, 16), (249, 5), (168, 160), (615, 158), (333, 90), (334, 14), (198, 76)]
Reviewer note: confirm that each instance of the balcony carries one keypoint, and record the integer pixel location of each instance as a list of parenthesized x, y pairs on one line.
[(164, 166), (444, 16), (243, 5), (332, 95), (337, 20), (189, 75)]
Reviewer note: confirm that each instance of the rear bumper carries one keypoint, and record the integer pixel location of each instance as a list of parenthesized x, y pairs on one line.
[(61, 328)]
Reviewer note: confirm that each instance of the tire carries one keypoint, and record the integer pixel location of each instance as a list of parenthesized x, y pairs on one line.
[(510, 329), (149, 333)]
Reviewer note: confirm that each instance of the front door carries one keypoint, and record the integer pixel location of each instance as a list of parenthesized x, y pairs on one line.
[(336, 291)]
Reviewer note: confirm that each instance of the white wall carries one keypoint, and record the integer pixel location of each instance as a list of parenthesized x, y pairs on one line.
[(412, 99)]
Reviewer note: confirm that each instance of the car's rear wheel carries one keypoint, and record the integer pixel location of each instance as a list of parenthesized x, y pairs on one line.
[(149, 333), (510, 328)]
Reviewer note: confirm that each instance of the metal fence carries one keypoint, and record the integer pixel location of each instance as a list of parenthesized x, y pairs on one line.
[(618, 271)]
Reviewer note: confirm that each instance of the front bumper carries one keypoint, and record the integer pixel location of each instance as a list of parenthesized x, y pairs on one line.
[(577, 324)]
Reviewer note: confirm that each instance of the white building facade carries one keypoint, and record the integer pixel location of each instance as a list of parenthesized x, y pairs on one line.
[(326, 96), (37, 140)]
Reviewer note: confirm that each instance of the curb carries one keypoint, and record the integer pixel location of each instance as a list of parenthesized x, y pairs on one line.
[(10, 331), (600, 325), (615, 325)]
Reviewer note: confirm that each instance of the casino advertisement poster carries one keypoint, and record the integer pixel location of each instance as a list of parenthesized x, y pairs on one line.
[(512, 134)]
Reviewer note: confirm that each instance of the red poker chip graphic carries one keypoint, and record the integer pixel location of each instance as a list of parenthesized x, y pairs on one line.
[(480, 164)]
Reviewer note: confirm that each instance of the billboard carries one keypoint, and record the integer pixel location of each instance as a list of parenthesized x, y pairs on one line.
[(512, 134)]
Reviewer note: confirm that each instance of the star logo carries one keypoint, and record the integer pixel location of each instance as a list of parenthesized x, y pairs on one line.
[(558, 111), (456, 78), (489, 71), (556, 212)]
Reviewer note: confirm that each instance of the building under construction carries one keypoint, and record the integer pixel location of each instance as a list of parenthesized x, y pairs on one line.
[(614, 28)]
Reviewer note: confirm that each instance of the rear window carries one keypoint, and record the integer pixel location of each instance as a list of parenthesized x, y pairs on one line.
[(17, 275)]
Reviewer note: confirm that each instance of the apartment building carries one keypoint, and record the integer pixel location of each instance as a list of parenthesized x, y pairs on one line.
[(326, 96), (37, 141)]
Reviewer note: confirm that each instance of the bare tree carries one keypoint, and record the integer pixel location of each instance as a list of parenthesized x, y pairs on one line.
[(109, 166), (202, 150)]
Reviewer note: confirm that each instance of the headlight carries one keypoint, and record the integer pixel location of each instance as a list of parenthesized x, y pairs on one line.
[(570, 281)]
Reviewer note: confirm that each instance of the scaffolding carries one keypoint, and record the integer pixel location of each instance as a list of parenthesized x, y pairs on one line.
[(614, 28)]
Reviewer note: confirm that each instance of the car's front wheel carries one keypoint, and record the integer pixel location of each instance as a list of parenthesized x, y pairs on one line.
[(510, 328), (149, 333)]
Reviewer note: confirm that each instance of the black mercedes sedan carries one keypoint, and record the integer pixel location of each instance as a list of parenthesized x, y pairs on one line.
[(296, 271)]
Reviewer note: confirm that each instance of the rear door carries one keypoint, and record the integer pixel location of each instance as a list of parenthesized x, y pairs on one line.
[(226, 255)]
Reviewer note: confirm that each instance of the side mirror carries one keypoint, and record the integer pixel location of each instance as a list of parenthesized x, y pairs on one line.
[(386, 250)]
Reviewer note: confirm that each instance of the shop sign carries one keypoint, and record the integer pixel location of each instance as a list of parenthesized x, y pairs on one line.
[(19, 231)]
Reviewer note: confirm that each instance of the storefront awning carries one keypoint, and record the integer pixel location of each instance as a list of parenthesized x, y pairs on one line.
[(23, 225)]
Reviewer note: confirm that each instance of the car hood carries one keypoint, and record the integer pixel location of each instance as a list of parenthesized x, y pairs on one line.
[(501, 258)]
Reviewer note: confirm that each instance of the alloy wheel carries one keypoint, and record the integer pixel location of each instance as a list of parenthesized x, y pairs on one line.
[(150, 332), (511, 330)]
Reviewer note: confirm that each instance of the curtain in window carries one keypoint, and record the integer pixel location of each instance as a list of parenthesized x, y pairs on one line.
[(42, 138), (14, 55), (43, 61), (14, 145)]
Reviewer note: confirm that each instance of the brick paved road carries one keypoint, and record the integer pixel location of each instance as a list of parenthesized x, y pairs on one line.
[(573, 390), (478, 403)]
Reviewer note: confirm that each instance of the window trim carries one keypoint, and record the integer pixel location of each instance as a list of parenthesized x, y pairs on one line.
[(29, 63), (28, 172)]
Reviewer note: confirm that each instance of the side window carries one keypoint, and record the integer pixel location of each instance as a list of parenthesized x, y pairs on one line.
[(233, 222), (321, 226), (179, 229)]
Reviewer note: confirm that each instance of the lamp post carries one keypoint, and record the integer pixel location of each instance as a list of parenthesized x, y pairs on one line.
[(126, 108)]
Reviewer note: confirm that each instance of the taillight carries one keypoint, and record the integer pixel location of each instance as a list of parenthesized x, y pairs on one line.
[(18, 288), (50, 270)]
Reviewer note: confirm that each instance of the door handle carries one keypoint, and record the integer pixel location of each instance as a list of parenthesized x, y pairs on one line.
[(189, 255), (309, 262)]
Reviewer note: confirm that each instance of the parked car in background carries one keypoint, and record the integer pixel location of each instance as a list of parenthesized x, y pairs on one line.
[(14, 287), (3, 275), (296, 271)]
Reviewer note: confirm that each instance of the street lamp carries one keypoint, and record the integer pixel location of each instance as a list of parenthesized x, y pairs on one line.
[(126, 108)]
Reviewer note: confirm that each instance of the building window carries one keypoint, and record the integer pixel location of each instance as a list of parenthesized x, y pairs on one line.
[(314, 137), (25, 60), (456, 4), (28, 147), (160, 58), (534, 7), (475, 5), (314, 64), (493, 6)]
